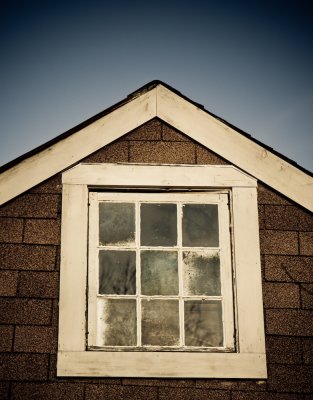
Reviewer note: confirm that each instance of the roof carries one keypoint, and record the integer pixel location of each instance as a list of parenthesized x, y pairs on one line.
[(157, 99)]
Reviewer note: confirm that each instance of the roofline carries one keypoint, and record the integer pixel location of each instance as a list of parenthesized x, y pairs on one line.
[(143, 89), (157, 100)]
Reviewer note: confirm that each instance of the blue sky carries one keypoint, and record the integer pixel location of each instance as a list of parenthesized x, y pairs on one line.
[(249, 62)]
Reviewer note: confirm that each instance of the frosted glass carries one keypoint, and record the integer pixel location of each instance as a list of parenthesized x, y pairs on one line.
[(120, 326), (159, 273), (117, 272), (158, 224), (116, 223), (203, 323), (160, 322), (201, 273), (200, 225)]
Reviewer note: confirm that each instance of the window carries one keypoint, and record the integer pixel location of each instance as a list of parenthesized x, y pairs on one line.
[(137, 239), (159, 272)]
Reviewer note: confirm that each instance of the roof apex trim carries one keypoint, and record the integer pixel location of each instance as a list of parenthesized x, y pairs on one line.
[(157, 99)]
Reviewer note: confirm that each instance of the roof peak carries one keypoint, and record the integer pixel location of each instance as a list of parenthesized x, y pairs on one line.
[(157, 99)]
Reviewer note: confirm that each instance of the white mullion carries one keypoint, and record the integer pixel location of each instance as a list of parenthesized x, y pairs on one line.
[(205, 298), (117, 296), (138, 272), (117, 248), (166, 297), (156, 248), (180, 275), (198, 249)]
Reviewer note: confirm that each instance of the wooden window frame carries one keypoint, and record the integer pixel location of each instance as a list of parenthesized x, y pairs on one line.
[(74, 359), (220, 199)]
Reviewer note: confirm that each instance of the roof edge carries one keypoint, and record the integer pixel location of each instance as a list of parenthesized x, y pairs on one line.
[(157, 99), (138, 92)]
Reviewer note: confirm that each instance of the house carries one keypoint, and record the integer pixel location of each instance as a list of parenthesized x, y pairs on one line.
[(156, 252)]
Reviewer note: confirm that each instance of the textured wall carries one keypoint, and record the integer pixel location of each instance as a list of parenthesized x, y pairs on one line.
[(29, 276)]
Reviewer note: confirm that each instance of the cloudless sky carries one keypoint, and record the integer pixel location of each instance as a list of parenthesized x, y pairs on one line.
[(249, 62)]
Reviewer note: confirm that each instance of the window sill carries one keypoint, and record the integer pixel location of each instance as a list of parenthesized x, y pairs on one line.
[(161, 364)]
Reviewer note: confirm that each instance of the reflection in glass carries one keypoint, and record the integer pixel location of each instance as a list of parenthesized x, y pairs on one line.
[(117, 272), (160, 322), (158, 224), (159, 273), (119, 322), (201, 273), (203, 323), (200, 225), (116, 223)]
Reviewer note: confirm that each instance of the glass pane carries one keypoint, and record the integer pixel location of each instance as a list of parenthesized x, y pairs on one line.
[(203, 323), (116, 223), (201, 273), (158, 224), (118, 320), (200, 225), (160, 322), (159, 272), (117, 272)]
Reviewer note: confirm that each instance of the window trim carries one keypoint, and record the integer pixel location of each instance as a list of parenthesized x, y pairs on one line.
[(75, 360)]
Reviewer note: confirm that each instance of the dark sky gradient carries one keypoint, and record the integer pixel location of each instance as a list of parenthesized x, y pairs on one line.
[(249, 62)]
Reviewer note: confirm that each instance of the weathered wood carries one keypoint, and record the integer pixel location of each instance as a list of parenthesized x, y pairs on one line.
[(234, 147), (73, 270), (195, 176), (249, 360), (162, 364), (248, 271), (65, 153), (198, 125), (95, 323)]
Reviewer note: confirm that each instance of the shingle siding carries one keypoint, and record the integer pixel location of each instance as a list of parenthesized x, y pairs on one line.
[(27, 257), (29, 290)]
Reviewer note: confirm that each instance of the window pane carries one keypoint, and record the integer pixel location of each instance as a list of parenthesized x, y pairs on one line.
[(159, 272), (120, 325), (158, 224), (203, 323), (200, 225), (201, 273), (116, 223), (117, 272), (160, 322)]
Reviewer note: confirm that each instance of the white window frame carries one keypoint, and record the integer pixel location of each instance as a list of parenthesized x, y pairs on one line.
[(74, 359), (220, 199)]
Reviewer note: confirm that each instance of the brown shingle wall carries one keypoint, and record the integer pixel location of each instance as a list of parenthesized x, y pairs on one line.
[(29, 290), (286, 243)]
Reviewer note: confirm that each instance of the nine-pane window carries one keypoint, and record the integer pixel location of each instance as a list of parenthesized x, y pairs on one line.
[(160, 273)]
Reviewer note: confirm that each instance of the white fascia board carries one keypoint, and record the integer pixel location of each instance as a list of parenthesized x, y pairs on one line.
[(234, 147), (183, 115), (72, 149)]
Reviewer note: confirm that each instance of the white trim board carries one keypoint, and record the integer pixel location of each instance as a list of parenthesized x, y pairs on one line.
[(63, 154), (234, 147), (163, 103), (73, 357), (162, 365), (194, 176)]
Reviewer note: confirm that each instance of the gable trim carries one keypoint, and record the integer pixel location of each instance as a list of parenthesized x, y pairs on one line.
[(182, 114), (61, 155), (235, 147)]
